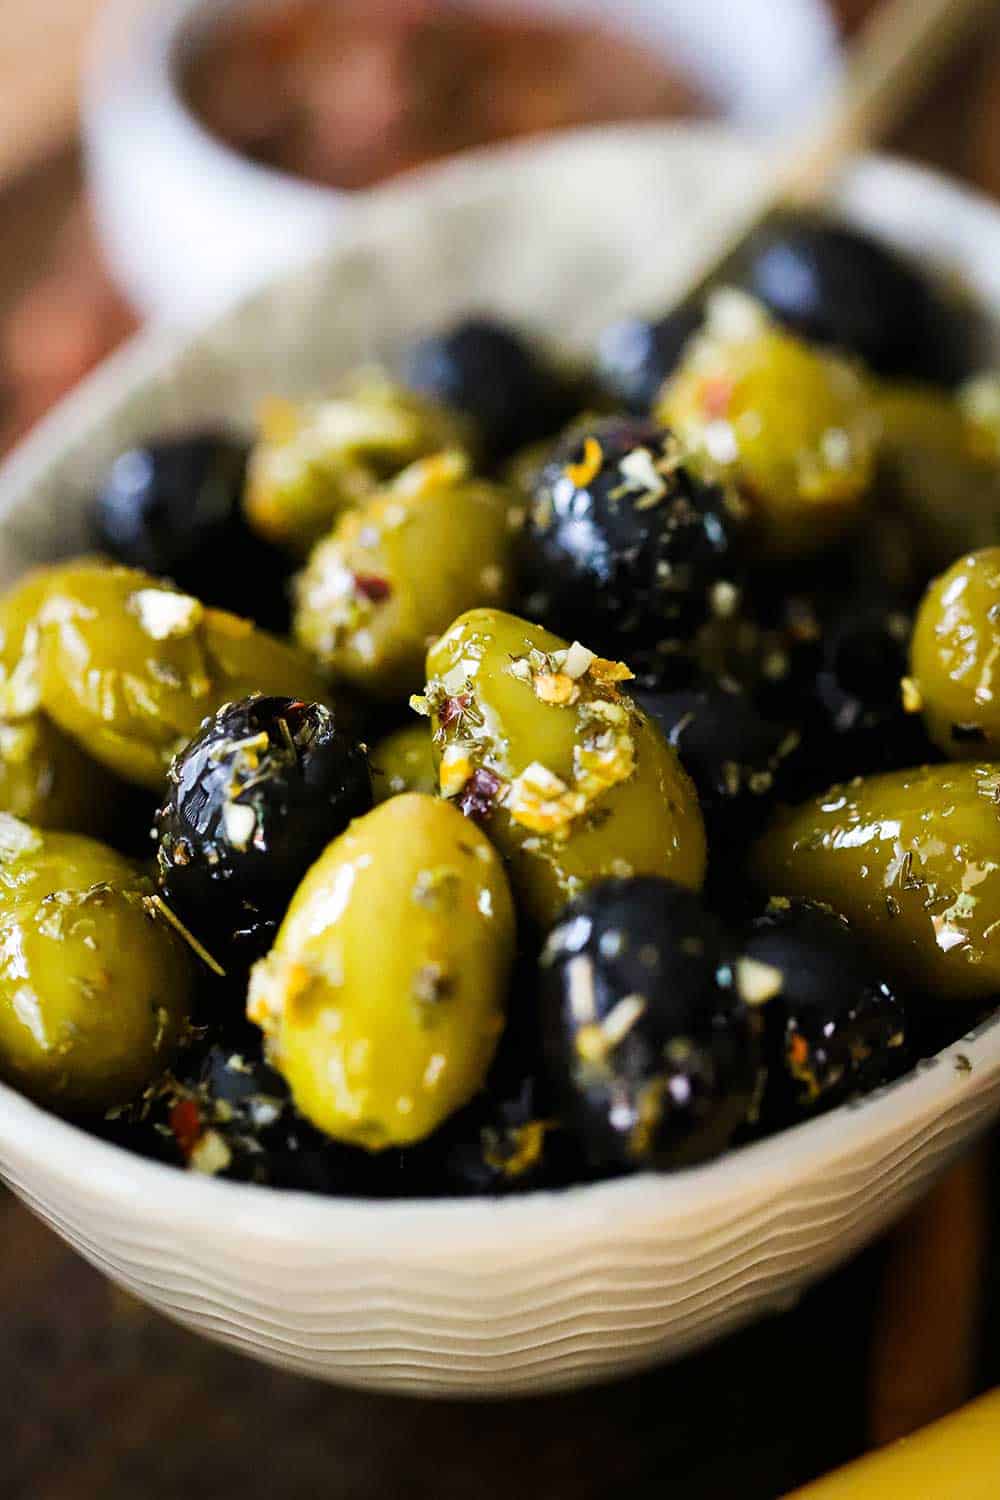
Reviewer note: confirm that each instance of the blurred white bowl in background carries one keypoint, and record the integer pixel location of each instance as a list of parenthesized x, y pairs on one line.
[(189, 225)]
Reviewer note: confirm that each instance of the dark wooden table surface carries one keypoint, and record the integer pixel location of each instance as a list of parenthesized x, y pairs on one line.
[(103, 1399)]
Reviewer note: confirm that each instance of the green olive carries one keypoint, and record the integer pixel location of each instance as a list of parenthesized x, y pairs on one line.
[(315, 460), (130, 666), (45, 778), (786, 423), (955, 658), (574, 780), (939, 467), (94, 989), (404, 762), (383, 997), (395, 573), (912, 860)]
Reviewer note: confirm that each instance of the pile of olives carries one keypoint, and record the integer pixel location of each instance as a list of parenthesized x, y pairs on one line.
[(622, 782)]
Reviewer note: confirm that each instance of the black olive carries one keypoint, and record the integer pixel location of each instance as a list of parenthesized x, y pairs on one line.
[(622, 544), (635, 357), (173, 508), (734, 754), (494, 376), (252, 801), (841, 287), (854, 723), (232, 1115), (504, 1142), (647, 1040), (832, 1027)]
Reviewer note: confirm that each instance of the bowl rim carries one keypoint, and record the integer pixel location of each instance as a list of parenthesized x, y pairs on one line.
[(447, 1227)]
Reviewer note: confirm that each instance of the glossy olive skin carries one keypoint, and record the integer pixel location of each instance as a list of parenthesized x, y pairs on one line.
[(231, 1115), (45, 778), (635, 357), (735, 755), (404, 762), (939, 468), (912, 860), (953, 657), (854, 719), (381, 1040), (837, 286), (492, 375), (129, 667), (833, 1027), (569, 791), (395, 573), (647, 1040), (314, 460), (788, 424), (621, 542), (251, 802), (94, 991), (172, 507)]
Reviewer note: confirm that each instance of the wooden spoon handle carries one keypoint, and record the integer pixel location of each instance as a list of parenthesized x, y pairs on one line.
[(894, 59)]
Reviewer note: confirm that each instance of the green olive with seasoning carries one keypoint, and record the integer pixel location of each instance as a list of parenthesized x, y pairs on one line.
[(404, 762), (955, 658), (316, 459), (787, 424), (535, 738), (912, 860), (380, 1038), (129, 666), (95, 988), (395, 573), (45, 778), (939, 466)]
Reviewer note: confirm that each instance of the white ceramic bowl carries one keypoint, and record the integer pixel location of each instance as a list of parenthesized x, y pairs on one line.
[(532, 1293), (189, 224)]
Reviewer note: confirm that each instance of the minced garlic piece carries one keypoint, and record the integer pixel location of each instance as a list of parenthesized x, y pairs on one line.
[(758, 982), (577, 661), (239, 821), (210, 1154), (275, 983), (604, 764), (540, 800), (164, 615), (456, 768)]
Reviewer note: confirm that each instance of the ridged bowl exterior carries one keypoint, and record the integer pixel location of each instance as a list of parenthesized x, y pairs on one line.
[(545, 1291)]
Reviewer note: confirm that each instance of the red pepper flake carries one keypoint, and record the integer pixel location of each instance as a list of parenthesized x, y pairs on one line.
[(798, 1050), (715, 395), (478, 795), (185, 1123), (452, 709), (372, 587)]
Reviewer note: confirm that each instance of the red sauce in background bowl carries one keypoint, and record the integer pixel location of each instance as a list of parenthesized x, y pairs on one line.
[(350, 92)]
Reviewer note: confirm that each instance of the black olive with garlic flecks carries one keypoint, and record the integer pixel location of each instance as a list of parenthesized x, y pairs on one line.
[(736, 756), (228, 1114), (648, 1042), (832, 1026), (252, 801), (622, 545)]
